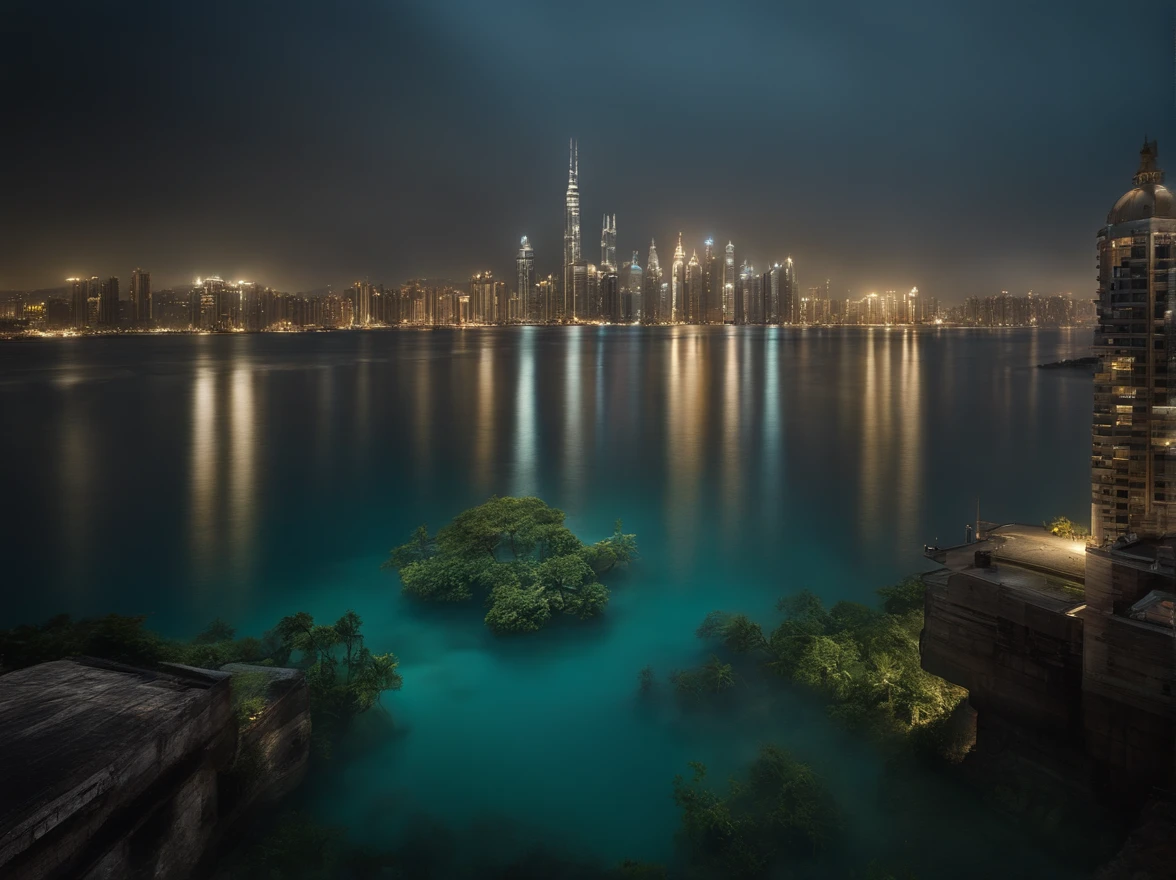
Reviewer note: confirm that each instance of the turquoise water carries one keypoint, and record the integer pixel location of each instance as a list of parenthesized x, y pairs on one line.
[(251, 476)]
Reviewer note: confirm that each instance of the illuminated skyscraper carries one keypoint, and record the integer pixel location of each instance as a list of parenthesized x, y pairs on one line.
[(525, 281), (108, 303), (141, 295), (591, 307), (729, 283), (361, 296), (746, 293), (651, 288), (695, 296), (632, 300), (80, 291), (575, 270), (711, 307), (1133, 462), (678, 284), (608, 244), (789, 295), (484, 297)]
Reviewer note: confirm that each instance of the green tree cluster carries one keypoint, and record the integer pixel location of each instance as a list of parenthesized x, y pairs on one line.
[(1064, 527), (780, 810), (520, 555), (865, 661)]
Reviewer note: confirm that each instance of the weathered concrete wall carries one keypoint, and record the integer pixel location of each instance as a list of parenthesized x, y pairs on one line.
[(115, 772), (1018, 654)]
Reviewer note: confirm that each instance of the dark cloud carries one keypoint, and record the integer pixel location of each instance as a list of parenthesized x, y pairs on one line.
[(961, 147)]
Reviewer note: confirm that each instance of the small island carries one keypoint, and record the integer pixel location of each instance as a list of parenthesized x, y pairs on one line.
[(519, 553)]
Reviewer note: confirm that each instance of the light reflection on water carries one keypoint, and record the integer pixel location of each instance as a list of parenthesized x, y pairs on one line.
[(250, 477)]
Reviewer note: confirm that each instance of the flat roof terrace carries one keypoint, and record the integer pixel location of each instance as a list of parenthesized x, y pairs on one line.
[(1027, 559)]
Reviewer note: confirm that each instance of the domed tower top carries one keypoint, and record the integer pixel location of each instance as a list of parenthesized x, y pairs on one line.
[(1150, 198)]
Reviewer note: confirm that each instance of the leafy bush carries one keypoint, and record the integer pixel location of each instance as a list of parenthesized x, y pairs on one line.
[(780, 811), (520, 555)]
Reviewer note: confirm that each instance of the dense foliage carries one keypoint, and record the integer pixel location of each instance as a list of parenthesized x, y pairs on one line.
[(520, 555), (1064, 527), (781, 810), (865, 661), (345, 678)]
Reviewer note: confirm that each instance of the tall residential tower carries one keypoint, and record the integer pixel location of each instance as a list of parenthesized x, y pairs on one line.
[(1133, 460)]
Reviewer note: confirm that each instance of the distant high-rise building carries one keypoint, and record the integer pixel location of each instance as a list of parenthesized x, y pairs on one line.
[(729, 283), (678, 284), (746, 294), (695, 296), (141, 295), (632, 299), (611, 308), (108, 302), (575, 269), (608, 244), (590, 309), (789, 294), (525, 281), (549, 298), (711, 307), (651, 312), (80, 292), (361, 297), (1133, 462), (485, 294)]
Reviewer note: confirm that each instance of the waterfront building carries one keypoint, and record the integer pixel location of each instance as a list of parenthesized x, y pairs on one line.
[(525, 281), (108, 303), (484, 294), (575, 274), (677, 311), (729, 279), (632, 298), (789, 294), (80, 292), (609, 283), (651, 312), (1133, 456), (695, 296), (141, 296), (549, 299), (712, 285)]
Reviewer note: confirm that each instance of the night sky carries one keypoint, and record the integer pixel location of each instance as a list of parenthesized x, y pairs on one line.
[(963, 148)]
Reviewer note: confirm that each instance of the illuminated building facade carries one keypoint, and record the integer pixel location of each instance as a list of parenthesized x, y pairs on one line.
[(575, 287), (1133, 459), (108, 303), (632, 297), (608, 244), (651, 312), (729, 279), (525, 281), (678, 284), (695, 296), (141, 296)]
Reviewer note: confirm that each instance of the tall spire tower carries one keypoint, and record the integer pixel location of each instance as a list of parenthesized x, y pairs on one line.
[(678, 284), (575, 293)]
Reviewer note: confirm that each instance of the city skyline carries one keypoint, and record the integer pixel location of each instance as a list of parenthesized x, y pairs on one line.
[(940, 164)]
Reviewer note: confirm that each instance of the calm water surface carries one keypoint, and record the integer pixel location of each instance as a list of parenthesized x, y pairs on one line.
[(248, 477)]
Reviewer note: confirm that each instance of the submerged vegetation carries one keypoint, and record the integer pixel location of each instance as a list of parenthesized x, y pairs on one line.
[(864, 661), (345, 679), (518, 553), (781, 810)]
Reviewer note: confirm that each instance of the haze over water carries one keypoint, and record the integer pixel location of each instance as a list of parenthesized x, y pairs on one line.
[(248, 477)]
